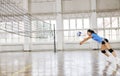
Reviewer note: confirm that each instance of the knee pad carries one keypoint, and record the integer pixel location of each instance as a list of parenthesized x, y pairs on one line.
[(103, 42), (106, 40), (103, 51), (110, 50)]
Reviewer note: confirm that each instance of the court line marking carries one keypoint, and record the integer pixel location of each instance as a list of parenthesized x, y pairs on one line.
[(22, 70)]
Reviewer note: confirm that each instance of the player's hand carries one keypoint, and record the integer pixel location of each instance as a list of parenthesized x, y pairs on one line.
[(81, 43)]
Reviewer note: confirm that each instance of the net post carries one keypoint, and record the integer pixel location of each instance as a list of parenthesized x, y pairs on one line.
[(54, 39)]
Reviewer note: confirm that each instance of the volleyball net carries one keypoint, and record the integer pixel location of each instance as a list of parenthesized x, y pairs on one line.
[(16, 20)]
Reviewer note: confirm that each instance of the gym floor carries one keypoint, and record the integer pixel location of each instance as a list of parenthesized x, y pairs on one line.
[(67, 63)]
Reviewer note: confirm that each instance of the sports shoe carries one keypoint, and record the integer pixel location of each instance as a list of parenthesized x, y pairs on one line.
[(109, 59), (113, 62), (114, 65), (117, 61)]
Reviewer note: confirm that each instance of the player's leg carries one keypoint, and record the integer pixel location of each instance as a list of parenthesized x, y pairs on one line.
[(114, 61), (103, 50), (103, 47), (113, 53), (110, 49), (107, 58)]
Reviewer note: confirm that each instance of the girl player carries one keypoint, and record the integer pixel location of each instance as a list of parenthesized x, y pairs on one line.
[(104, 45)]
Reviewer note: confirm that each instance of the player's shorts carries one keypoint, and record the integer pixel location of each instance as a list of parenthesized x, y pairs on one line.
[(104, 41)]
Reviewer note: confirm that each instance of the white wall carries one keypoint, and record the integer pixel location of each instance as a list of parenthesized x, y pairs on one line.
[(73, 6), (50, 47), (18, 2), (108, 4), (43, 7), (76, 5), (11, 47), (87, 46)]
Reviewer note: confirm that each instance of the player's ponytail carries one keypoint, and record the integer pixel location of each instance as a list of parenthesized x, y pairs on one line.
[(91, 31)]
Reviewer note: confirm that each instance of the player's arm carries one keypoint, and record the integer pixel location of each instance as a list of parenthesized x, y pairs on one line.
[(85, 39)]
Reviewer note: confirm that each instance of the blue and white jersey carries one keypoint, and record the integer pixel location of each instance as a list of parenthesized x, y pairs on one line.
[(97, 38)]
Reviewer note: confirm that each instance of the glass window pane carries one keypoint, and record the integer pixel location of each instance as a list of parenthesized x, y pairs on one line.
[(118, 36), (114, 22), (34, 25), (9, 38), (107, 34), (66, 24), (113, 35), (21, 26), (15, 27), (66, 38), (107, 22), (72, 33), (2, 25), (2, 37), (47, 21), (53, 22), (72, 24), (119, 21), (9, 26), (40, 25), (21, 39), (79, 24), (66, 33), (71, 39), (100, 32), (86, 23), (15, 38), (100, 22)]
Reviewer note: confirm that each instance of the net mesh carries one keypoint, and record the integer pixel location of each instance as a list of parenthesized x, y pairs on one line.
[(16, 20)]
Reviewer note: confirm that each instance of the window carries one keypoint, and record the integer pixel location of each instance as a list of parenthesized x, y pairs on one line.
[(47, 21), (21, 26), (3, 37), (109, 27), (114, 22), (50, 24), (8, 37), (86, 23), (66, 24), (119, 21), (100, 22), (107, 22), (3, 25), (9, 26), (43, 31), (73, 26), (66, 33), (34, 27), (79, 24), (114, 34), (53, 24), (14, 27), (41, 26), (107, 34), (101, 33), (118, 34)]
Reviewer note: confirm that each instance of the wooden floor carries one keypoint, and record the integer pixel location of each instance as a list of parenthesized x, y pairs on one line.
[(67, 63)]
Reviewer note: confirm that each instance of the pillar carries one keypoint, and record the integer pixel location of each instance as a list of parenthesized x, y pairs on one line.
[(25, 4), (27, 37), (59, 27), (93, 18), (27, 28), (93, 23)]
